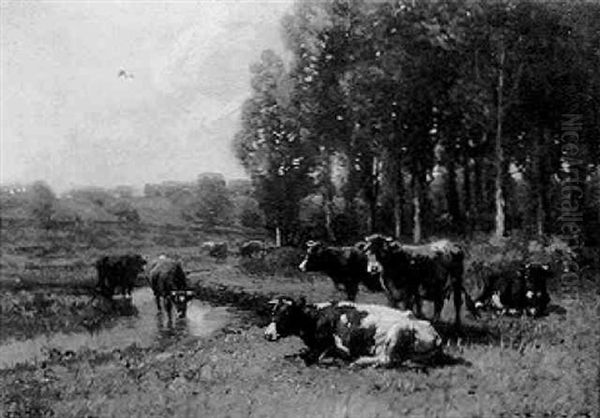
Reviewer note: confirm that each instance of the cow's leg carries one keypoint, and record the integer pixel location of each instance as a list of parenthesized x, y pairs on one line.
[(438, 305), (417, 303), (457, 288), (376, 361), (351, 290), (157, 299), (168, 307)]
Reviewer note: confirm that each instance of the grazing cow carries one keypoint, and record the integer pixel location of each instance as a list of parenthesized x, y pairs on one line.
[(517, 290), (215, 249), (251, 248), (169, 283), (347, 267), (363, 334), (412, 272), (118, 271)]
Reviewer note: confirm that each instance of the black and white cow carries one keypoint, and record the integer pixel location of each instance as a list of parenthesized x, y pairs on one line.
[(118, 271), (516, 290), (411, 272), (362, 334), (169, 283), (347, 267)]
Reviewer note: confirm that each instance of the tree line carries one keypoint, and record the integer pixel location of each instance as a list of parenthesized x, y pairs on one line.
[(417, 118)]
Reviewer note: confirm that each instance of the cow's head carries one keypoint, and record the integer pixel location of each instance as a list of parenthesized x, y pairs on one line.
[(535, 277), (286, 315), (180, 299), (376, 248), (137, 262), (420, 341), (314, 256)]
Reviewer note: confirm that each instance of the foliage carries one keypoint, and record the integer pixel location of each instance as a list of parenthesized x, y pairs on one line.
[(42, 203)]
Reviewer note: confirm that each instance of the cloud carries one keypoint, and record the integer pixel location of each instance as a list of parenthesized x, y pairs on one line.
[(69, 119)]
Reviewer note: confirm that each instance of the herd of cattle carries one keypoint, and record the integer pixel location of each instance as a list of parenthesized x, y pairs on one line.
[(361, 333)]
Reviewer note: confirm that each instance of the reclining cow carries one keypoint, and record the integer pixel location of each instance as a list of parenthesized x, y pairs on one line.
[(516, 290), (118, 271), (411, 272), (363, 334), (347, 267), (169, 284)]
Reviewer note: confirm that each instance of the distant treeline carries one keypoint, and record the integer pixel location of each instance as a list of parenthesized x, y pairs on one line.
[(424, 118)]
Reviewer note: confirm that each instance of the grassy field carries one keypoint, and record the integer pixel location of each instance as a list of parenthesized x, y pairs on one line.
[(500, 366)]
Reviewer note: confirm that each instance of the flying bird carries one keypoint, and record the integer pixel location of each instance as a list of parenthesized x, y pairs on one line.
[(124, 74)]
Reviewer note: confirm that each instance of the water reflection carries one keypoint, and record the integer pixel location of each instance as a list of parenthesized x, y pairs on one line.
[(145, 328)]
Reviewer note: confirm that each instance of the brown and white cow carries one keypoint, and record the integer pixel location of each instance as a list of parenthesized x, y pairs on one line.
[(360, 333), (411, 272)]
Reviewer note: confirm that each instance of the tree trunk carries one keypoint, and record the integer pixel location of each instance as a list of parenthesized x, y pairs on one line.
[(452, 194), (328, 193), (398, 200), (540, 179), (467, 192), (478, 190), (417, 219), (500, 201), (417, 211), (372, 195)]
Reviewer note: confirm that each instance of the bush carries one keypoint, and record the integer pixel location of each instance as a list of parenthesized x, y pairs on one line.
[(283, 260)]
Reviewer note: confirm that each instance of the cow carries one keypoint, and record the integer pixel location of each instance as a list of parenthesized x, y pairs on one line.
[(516, 290), (168, 282), (346, 266), (359, 333), (251, 248), (217, 250), (118, 271), (411, 272)]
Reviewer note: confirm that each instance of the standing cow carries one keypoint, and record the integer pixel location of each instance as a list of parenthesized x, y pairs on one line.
[(347, 267), (412, 272), (363, 334), (118, 271), (217, 250), (169, 285)]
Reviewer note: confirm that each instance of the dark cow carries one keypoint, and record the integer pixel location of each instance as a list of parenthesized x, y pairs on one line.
[(217, 250), (347, 267), (169, 283), (363, 334), (252, 248), (516, 290), (411, 272), (118, 271)]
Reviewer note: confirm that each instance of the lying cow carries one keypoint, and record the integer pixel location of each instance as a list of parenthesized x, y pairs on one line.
[(169, 283), (118, 271), (411, 272), (363, 334), (252, 248), (347, 267), (517, 290)]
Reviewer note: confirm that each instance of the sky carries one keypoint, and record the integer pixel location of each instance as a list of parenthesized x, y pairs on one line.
[(68, 118)]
